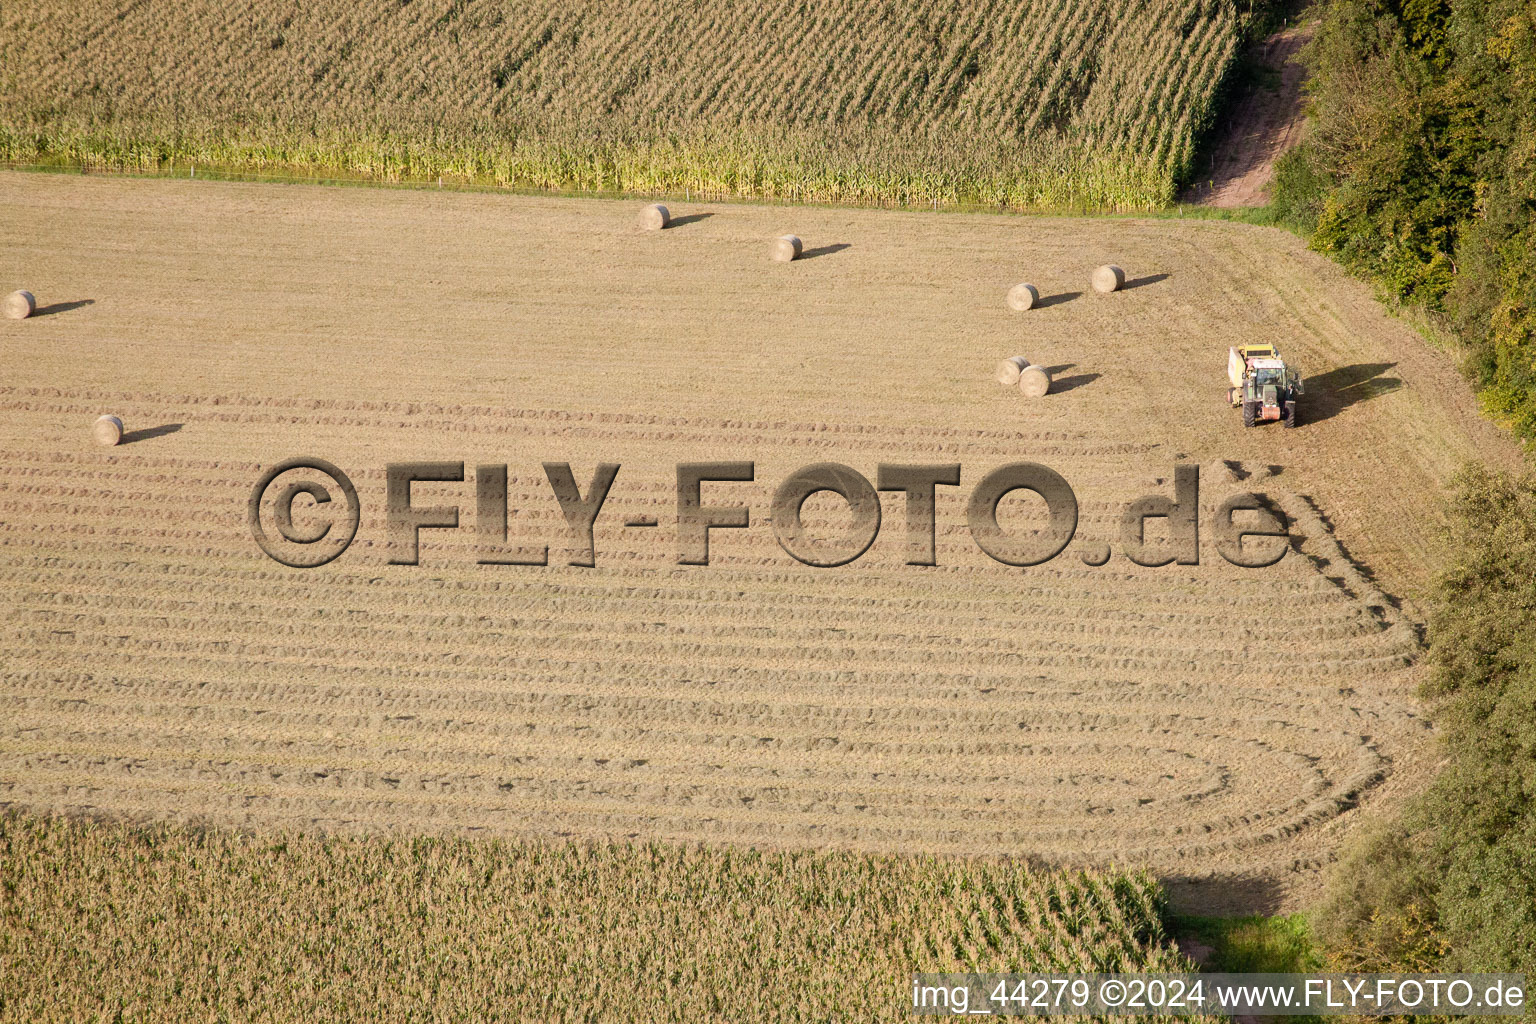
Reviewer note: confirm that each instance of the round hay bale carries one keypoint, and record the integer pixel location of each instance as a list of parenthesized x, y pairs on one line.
[(1009, 369), (1023, 297), (655, 217), (786, 248), (1034, 382), (108, 430), (19, 305), (1108, 278)]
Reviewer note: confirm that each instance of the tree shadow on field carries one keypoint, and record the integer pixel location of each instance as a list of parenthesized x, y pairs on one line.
[(61, 307), (824, 250), (1329, 394), (1142, 282), (1223, 895), (692, 218), (130, 436), (1057, 299)]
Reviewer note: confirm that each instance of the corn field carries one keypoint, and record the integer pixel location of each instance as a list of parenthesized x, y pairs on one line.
[(1018, 103), (112, 921)]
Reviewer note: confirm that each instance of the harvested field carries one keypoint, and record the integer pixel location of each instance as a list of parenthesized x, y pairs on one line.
[(1207, 722)]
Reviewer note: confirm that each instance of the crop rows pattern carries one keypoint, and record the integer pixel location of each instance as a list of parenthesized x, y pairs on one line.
[(1207, 722), (119, 922), (156, 665), (1025, 103)]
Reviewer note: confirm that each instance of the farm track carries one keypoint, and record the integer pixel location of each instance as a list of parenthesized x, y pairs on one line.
[(1261, 125), (1201, 720)]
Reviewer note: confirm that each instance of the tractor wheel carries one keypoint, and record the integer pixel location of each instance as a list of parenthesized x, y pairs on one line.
[(1290, 414), (1250, 413)]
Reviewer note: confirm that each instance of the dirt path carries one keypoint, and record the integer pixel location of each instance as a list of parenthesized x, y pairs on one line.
[(1264, 123)]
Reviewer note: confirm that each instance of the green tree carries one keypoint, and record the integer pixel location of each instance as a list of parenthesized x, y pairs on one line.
[(1482, 807), (1451, 883), (1420, 171)]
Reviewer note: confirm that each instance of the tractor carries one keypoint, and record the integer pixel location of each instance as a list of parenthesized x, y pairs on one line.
[(1262, 384)]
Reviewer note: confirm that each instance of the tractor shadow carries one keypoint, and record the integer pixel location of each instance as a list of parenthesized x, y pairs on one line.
[(692, 218), (62, 307), (130, 436), (1329, 394), (825, 250)]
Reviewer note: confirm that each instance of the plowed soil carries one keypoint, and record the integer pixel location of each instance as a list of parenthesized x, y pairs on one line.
[(1215, 723)]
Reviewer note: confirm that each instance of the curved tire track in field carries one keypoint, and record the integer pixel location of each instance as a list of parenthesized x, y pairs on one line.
[(1204, 721), (157, 665)]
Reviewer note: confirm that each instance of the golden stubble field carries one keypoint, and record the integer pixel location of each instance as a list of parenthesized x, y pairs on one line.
[(1215, 724)]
